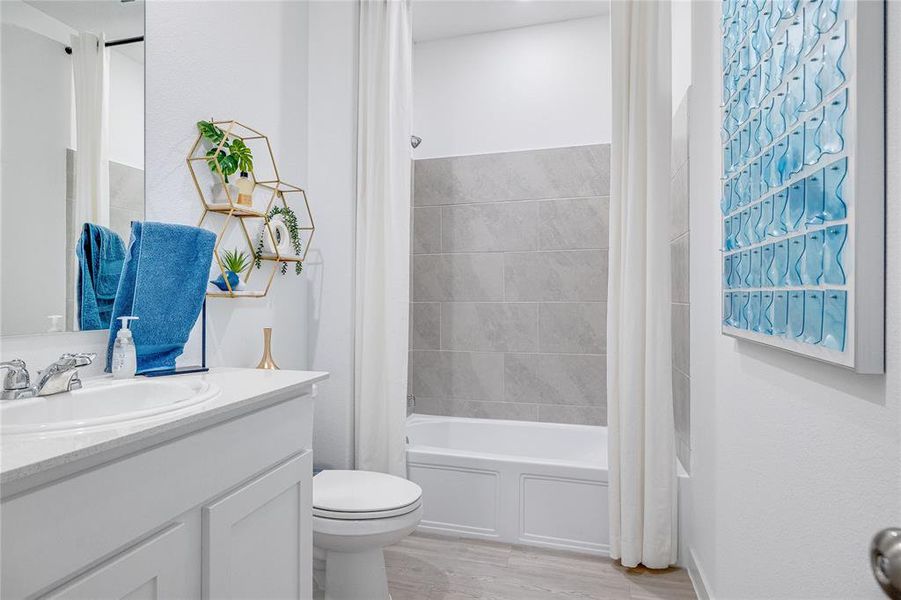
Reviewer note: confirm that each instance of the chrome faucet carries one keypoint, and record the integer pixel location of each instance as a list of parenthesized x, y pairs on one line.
[(61, 376), (17, 381)]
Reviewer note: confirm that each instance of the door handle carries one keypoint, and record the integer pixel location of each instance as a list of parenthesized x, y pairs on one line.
[(885, 559)]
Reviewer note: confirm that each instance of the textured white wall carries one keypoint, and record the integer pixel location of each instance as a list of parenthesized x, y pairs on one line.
[(544, 86), (260, 79), (795, 464), (332, 185)]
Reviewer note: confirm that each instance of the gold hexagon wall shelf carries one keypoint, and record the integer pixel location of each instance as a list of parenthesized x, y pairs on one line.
[(219, 197)]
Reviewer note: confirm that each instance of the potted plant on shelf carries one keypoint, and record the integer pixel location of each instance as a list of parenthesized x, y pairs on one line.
[(281, 220), (235, 263), (233, 155)]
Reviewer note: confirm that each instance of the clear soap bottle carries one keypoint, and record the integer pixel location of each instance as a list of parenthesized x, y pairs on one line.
[(125, 356)]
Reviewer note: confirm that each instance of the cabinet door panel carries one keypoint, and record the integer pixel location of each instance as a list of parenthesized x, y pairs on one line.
[(152, 570), (257, 540)]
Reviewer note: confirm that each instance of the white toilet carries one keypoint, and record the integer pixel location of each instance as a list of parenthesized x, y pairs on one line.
[(355, 515)]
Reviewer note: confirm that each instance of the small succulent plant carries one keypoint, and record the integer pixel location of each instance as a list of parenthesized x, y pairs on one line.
[(235, 261)]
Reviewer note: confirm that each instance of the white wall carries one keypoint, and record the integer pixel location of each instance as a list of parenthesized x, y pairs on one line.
[(680, 15), (795, 464), (185, 84), (126, 110), (332, 187), (534, 87)]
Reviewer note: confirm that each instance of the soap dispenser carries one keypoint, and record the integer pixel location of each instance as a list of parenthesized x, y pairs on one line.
[(125, 357)]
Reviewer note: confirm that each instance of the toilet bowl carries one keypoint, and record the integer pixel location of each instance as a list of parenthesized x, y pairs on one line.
[(355, 515)]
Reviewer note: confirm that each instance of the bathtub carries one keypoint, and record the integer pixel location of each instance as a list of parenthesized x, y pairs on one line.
[(537, 484)]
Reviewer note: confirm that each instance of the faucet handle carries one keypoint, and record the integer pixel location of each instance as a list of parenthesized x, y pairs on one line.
[(76, 359), (16, 377)]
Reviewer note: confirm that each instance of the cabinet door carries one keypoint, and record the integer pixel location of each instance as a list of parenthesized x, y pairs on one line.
[(258, 539), (153, 569)]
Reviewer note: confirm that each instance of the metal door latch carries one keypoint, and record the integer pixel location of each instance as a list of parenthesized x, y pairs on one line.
[(885, 558)]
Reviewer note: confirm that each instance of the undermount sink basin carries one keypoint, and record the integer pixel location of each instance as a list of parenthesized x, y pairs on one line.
[(103, 402)]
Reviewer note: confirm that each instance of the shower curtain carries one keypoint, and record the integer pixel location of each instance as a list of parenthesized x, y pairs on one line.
[(90, 63), (639, 367), (384, 161)]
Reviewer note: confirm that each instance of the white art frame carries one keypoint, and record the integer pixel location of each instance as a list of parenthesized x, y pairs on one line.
[(863, 186)]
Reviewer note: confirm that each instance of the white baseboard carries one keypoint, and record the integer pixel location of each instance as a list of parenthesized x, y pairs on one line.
[(698, 580)]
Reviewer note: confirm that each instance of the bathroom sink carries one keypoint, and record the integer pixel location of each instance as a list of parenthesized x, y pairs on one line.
[(103, 402)]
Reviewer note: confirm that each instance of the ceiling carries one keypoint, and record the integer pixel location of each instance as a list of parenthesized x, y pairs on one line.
[(437, 19), (113, 18)]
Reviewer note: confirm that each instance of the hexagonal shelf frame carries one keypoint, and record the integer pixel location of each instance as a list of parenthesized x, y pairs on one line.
[(231, 210), (282, 190)]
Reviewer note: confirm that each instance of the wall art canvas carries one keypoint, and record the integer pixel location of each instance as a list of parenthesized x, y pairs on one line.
[(803, 201)]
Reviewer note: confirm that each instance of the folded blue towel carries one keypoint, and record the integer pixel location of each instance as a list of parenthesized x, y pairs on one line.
[(100, 253), (163, 284)]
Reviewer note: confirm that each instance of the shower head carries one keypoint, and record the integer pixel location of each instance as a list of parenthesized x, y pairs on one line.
[(415, 140)]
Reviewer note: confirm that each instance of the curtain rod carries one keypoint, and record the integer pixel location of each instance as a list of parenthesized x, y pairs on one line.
[(122, 42)]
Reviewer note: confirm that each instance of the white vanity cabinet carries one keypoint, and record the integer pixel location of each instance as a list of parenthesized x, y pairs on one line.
[(220, 510)]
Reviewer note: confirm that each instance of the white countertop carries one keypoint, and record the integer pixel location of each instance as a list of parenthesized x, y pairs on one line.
[(33, 459)]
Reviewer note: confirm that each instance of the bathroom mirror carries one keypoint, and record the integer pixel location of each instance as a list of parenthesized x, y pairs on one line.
[(72, 168)]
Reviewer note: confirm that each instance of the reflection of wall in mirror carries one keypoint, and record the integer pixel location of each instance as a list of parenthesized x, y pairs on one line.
[(36, 128)]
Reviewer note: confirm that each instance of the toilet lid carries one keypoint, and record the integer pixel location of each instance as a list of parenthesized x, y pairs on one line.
[(362, 492)]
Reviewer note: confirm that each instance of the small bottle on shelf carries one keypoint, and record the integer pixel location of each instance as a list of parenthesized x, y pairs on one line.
[(245, 190)]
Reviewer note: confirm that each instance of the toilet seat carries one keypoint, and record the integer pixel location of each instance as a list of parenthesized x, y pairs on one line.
[(363, 495), (363, 516)]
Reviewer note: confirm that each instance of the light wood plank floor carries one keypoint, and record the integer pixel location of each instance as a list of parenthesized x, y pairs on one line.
[(425, 567)]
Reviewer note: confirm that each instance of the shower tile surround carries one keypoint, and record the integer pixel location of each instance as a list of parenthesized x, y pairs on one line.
[(509, 285), (680, 299)]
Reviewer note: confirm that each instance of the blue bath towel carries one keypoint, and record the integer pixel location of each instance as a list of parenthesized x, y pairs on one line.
[(100, 253), (163, 284)]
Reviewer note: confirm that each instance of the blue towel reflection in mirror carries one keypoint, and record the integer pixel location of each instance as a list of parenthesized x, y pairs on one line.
[(100, 254)]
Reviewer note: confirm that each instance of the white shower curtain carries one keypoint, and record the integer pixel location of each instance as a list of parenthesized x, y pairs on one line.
[(382, 291), (91, 69), (639, 375)]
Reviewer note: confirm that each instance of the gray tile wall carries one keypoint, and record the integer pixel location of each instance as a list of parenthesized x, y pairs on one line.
[(509, 285), (679, 236)]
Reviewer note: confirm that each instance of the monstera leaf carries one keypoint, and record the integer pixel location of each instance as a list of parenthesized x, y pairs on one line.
[(242, 154), (211, 132), (228, 164)]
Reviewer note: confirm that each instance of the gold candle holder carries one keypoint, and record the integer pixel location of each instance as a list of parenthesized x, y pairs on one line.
[(267, 361)]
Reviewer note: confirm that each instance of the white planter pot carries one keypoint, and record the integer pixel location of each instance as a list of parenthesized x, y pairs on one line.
[(219, 196), (282, 237)]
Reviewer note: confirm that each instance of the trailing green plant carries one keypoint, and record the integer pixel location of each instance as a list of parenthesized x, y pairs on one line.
[(234, 260), (233, 155), (290, 220)]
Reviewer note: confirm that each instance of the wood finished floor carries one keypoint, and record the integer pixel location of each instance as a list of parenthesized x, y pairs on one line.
[(425, 567)]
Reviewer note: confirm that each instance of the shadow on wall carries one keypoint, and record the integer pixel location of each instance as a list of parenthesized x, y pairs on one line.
[(313, 267), (870, 388)]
